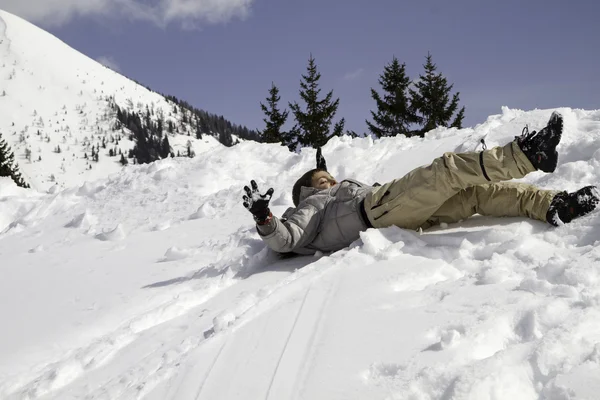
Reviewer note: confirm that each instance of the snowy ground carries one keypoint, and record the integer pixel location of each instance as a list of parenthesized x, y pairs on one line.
[(154, 284)]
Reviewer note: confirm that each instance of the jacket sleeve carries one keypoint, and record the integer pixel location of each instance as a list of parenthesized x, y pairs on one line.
[(298, 231)]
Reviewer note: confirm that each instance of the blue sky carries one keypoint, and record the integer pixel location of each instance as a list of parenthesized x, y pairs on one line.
[(222, 55)]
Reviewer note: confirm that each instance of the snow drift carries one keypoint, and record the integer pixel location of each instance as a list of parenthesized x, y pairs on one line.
[(153, 283)]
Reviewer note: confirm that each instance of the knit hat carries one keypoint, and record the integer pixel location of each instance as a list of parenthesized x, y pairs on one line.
[(306, 179)]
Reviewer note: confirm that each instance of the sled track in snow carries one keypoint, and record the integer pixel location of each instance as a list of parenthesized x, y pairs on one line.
[(212, 366), (159, 344), (313, 303), (309, 354), (298, 351), (287, 342)]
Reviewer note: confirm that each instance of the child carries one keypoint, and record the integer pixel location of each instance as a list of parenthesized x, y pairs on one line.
[(329, 215)]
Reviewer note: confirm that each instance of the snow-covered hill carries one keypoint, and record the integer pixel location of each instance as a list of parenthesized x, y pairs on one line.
[(53, 98), (153, 284)]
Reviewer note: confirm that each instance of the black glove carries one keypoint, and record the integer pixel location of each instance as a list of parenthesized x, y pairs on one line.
[(321, 164), (256, 203)]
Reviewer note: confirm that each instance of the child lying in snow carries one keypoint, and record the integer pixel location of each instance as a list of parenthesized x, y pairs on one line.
[(329, 215)]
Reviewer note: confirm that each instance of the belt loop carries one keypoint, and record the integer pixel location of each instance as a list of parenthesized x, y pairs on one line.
[(483, 167)]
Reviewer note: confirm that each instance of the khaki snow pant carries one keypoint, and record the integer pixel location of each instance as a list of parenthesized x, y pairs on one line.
[(455, 186)]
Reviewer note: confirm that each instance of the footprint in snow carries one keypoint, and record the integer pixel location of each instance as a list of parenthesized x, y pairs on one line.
[(37, 249), (446, 338), (115, 235), (380, 371), (161, 226)]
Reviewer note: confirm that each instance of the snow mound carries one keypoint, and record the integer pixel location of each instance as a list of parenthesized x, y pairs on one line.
[(84, 220), (188, 303), (118, 233), (204, 211), (175, 253)]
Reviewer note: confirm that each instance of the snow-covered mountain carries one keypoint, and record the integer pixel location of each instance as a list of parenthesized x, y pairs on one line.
[(153, 284), (56, 104)]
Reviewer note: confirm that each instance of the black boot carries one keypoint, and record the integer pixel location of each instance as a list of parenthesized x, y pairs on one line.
[(540, 147), (567, 206)]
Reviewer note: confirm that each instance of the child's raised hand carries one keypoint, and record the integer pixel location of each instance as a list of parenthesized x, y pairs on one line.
[(257, 203)]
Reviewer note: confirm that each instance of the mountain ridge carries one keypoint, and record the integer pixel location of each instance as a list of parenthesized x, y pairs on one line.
[(57, 107)]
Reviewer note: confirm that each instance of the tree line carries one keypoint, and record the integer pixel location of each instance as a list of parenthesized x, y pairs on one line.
[(216, 125), (403, 107), (150, 130), (8, 166)]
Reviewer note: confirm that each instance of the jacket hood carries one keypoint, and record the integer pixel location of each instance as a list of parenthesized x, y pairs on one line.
[(304, 182), (306, 192), (306, 179)]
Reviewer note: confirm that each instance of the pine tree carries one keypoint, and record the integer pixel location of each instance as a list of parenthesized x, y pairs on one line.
[(190, 152), (8, 167), (275, 119), (394, 115), (198, 128), (431, 100), (313, 125), (165, 147), (225, 139), (459, 119)]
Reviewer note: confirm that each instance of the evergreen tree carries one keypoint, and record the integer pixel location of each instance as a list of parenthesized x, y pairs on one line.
[(8, 167), (275, 119), (190, 152), (165, 147), (431, 100), (394, 114), (226, 139), (123, 160), (313, 125), (198, 128), (459, 119)]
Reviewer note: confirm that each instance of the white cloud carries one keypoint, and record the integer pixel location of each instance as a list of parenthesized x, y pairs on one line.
[(350, 76), (188, 13), (109, 62)]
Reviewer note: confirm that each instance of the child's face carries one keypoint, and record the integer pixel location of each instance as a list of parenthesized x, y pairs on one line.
[(322, 180)]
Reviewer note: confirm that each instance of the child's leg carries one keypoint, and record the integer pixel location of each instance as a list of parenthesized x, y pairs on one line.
[(505, 199), (409, 201)]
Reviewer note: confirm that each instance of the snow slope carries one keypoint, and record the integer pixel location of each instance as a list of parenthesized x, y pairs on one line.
[(153, 284), (53, 96)]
